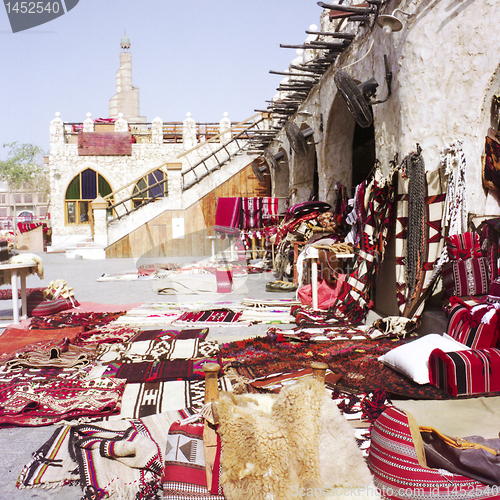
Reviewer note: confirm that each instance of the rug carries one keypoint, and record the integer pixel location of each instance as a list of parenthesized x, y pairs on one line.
[(152, 315), (52, 400), (159, 371), (89, 320), (227, 215), (158, 349), (60, 460), (267, 315), (211, 317), (14, 339), (106, 335), (357, 362), (141, 400), (367, 332)]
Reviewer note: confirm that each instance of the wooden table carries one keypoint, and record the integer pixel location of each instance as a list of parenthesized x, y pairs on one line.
[(10, 272)]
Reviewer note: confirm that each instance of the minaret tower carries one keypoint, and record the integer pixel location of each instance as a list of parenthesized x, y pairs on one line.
[(126, 99)]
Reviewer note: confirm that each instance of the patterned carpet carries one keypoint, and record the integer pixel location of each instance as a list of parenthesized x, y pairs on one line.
[(356, 361)]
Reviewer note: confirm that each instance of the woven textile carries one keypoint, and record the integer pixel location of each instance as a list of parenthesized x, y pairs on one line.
[(177, 369), (463, 246), (88, 320), (15, 339), (465, 372), (476, 327), (252, 213), (184, 475), (6, 293), (52, 400), (61, 460), (157, 349), (356, 293), (491, 166), (466, 277), (210, 316), (227, 215), (269, 211), (434, 207), (143, 399), (397, 462), (107, 335)]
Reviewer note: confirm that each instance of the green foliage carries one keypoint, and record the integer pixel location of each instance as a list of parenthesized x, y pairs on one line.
[(24, 166)]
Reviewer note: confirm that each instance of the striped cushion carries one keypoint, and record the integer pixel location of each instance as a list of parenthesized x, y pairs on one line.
[(48, 307), (463, 246), (397, 463), (466, 277), (465, 372), (476, 327)]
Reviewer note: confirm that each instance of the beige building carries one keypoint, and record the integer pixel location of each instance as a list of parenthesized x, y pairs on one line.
[(23, 205)]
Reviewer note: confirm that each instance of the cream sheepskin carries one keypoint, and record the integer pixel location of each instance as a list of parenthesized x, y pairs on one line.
[(24, 258), (292, 445)]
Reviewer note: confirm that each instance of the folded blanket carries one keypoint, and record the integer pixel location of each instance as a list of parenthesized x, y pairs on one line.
[(131, 459)]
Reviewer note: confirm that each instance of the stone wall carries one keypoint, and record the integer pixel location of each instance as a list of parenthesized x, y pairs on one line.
[(445, 74)]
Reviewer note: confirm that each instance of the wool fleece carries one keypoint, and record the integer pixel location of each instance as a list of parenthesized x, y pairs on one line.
[(295, 444)]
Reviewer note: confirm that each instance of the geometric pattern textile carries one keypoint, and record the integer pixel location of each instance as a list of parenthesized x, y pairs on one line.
[(184, 475), (157, 350), (149, 398), (466, 277), (434, 205), (476, 327), (62, 461), (161, 371), (52, 400)]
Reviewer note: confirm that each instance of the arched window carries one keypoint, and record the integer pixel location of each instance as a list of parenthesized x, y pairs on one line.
[(154, 185), (82, 190)]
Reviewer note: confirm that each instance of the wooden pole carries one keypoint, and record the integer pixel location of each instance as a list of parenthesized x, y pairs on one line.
[(209, 432), (319, 370)]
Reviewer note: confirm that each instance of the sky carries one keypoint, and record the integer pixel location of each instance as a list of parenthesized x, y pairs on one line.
[(202, 57)]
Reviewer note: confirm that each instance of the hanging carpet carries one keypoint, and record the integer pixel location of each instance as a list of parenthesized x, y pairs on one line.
[(419, 233)]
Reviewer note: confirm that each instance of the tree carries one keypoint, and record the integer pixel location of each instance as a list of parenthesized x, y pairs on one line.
[(24, 167)]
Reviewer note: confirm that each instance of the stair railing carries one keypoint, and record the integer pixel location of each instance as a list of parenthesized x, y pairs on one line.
[(124, 205), (216, 151)]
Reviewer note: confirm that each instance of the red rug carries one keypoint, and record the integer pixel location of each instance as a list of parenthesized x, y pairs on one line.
[(357, 362), (14, 339)]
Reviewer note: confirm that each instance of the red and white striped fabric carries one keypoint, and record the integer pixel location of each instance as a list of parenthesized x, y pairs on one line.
[(397, 462), (463, 246), (458, 373), (477, 327), (466, 277)]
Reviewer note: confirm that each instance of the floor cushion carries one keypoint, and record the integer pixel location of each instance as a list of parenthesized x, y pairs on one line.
[(475, 371)]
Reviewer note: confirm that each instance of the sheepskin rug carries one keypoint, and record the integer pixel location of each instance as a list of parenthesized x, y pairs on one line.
[(25, 258), (295, 444)]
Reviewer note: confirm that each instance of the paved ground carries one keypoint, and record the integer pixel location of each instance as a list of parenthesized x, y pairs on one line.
[(17, 444)]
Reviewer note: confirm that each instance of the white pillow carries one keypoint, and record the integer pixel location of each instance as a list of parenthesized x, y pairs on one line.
[(412, 359)]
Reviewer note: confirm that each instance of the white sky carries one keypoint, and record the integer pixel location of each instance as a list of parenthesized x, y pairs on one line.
[(205, 57)]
